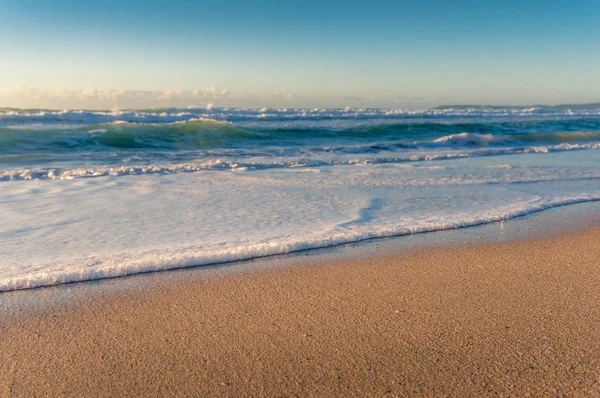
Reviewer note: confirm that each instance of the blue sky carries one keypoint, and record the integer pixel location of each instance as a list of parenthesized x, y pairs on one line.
[(68, 53)]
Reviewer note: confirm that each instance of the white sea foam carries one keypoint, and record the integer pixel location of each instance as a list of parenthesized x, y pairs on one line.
[(301, 159), (103, 267), (66, 231), (473, 139), (240, 115)]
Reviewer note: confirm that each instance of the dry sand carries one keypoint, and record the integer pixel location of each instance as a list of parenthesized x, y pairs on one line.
[(512, 318)]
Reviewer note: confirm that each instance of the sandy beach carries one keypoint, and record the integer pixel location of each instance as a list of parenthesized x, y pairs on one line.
[(299, 199), (510, 318)]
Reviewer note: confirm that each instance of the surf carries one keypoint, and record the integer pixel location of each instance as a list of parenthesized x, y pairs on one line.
[(98, 194)]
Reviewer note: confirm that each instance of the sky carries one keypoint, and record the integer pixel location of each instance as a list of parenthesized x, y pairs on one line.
[(109, 54)]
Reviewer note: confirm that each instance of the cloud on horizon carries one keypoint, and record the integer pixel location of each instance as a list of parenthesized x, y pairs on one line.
[(94, 98)]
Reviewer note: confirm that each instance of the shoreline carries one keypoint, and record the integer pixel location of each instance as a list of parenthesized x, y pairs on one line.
[(467, 313), (551, 222), (411, 240)]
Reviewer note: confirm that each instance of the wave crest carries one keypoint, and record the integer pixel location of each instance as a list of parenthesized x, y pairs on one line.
[(169, 115)]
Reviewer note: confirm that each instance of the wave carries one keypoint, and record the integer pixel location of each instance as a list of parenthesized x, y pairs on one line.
[(292, 164), (480, 140), (169, 115), (152, 261), (210, 134), (123, 135)]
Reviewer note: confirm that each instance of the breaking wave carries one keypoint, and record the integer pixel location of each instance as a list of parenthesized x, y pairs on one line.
[(169, 115), (211, 134)]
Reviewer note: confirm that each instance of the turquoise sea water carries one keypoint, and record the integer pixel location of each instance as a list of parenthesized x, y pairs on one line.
[(94, 194)]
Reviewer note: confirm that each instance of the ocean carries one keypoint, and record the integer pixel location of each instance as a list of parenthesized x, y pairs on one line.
[(97, 194)]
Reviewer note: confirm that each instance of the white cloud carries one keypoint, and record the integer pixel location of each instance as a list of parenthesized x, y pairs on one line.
[(95, 98)]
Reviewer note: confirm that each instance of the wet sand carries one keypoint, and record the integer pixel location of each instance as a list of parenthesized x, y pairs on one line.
[(505, 318)]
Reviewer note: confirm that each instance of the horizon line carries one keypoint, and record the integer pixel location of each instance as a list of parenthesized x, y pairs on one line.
[(212, 106)]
